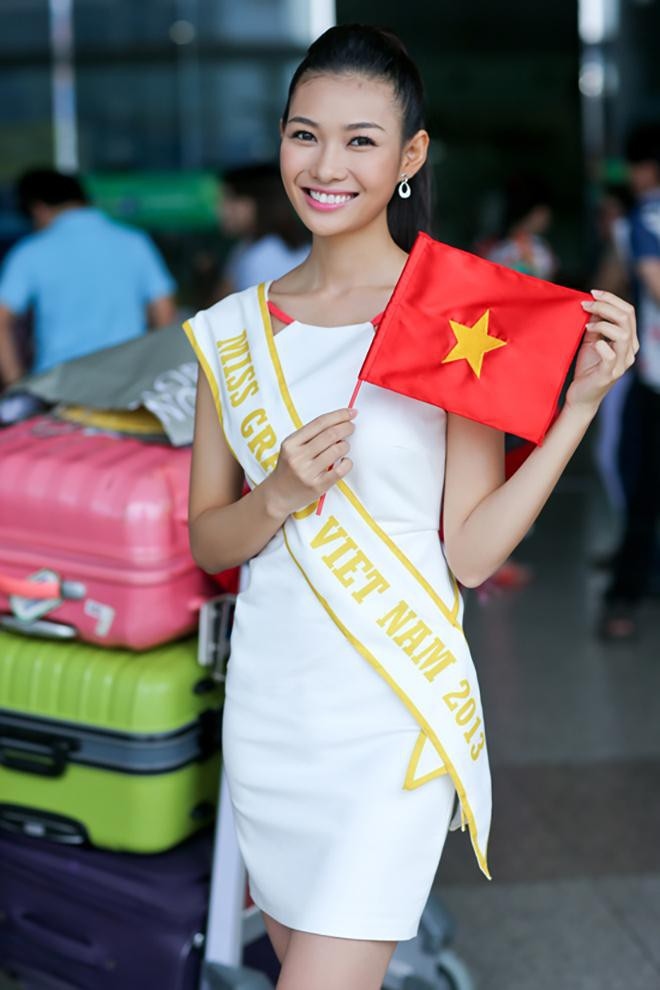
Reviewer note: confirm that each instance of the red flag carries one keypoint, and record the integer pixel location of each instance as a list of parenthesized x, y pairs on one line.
[(477, 339)]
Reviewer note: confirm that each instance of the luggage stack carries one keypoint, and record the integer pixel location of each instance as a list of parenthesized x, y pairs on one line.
[(109, 727)]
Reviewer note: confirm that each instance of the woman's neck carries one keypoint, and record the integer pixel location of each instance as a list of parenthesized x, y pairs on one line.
[(367, 257)]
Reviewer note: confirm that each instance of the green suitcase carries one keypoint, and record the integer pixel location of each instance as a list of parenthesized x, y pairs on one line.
[(115, 748)]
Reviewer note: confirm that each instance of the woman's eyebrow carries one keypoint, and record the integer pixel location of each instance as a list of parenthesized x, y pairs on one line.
[(359, 126), (362, 125), (302, 120)]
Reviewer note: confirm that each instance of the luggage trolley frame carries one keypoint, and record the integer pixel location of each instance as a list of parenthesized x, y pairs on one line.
[(231, 924), (424, 963)]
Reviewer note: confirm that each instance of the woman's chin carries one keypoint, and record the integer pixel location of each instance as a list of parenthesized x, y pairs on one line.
[(333, 223)]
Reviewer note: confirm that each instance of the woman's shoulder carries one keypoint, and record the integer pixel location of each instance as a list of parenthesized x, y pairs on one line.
[(230, 315)]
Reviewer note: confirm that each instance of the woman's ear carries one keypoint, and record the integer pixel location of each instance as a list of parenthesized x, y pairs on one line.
[(415, 153)]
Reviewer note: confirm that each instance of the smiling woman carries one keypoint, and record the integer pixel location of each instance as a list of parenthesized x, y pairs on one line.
[(335, 161), (390, 134), (353, 727), (346, 148)]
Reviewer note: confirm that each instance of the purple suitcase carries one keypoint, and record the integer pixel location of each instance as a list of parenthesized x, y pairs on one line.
[(95, 920), (28, 978)]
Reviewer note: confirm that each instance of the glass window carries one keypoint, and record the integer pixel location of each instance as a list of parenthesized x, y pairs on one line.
[(24, 29), (127, 117)]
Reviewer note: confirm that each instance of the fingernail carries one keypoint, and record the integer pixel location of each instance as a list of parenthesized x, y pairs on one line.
[(589, 326), (586, 304), (353, 412), (596, 292)]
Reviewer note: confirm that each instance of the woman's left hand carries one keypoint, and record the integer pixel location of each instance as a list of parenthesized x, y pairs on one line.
[(607, 351)]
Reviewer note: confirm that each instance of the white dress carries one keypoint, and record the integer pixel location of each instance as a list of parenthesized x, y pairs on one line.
[(315, 742)]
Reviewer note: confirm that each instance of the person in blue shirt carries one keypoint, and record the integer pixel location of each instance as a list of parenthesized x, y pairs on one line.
[(88, 281), (255, 209), (634, 560)]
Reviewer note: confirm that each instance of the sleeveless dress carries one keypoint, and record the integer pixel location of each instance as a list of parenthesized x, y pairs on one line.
[(315, 742)]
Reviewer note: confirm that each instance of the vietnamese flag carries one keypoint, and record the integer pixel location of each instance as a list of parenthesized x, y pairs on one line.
[(477, 339)]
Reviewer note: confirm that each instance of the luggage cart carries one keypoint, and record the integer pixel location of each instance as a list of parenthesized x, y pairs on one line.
[(424, 963), (427, 962), (233, 923)]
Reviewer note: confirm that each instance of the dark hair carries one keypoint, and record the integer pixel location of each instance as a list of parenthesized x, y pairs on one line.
[(643, 144), (378, 54), (523, 192), (621, 192), (46, 185), (262, 182)]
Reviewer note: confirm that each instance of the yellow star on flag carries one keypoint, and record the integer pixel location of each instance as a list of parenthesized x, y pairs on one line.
[(472, 343)]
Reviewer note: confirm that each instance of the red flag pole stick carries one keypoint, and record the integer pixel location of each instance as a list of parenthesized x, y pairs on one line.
[(357, 388), (358, 384)]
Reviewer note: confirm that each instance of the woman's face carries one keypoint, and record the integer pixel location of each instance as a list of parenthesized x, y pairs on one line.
[(341, 154)]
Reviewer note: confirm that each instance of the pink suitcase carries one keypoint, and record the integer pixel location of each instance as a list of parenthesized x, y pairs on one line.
[(96, 525)]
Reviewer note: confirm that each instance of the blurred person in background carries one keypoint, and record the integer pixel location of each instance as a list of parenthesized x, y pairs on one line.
[(523, 247), (254, 208), (90, 282), (612, 271), (527, 218), (634, 560)]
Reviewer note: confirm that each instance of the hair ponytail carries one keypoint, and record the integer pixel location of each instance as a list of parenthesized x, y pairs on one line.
[(379, 54)]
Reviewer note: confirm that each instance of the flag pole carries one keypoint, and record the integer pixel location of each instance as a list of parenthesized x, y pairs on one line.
[(351, 404), (358, 385)]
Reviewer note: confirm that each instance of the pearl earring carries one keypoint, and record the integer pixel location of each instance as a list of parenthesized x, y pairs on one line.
[(404, 187)]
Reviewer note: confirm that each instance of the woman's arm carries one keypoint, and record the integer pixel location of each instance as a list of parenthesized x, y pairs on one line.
[(486, 517), (227, 529)]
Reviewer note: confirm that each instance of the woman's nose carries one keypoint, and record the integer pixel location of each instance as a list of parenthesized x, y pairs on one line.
[(328, 165)]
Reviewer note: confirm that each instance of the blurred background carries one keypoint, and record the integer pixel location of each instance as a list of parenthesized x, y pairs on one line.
[(162, 107), (150, 101)]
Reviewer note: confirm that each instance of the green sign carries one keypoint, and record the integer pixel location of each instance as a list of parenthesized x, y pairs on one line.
[(614, 170), (167, 201)]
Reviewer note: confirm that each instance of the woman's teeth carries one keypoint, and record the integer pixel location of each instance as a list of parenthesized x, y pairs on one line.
[(332, 199)]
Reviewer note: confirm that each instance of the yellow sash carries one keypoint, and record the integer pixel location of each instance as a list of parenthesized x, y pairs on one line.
[(370, 589)]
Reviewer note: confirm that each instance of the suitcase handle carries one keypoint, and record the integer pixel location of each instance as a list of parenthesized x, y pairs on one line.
[(72, 947), (29, 588), (42, 754), (39, 627)]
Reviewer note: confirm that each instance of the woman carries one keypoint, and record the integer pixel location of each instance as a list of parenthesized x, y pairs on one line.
[(318, 730), (272, 241), (528, 215)]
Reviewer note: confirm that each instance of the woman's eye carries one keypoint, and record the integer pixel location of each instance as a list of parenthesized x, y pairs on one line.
[(362, 141), (303, 135)]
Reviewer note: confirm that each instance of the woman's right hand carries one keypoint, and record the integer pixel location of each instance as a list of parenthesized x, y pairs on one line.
[(311, 461)]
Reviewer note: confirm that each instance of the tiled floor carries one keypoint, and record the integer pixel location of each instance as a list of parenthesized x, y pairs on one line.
[(575, 752)]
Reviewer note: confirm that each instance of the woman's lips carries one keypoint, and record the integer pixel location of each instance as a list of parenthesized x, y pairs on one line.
[(328, 201)]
